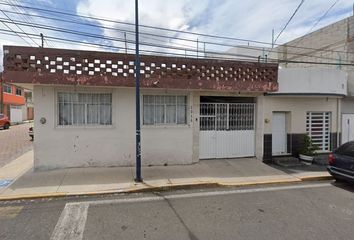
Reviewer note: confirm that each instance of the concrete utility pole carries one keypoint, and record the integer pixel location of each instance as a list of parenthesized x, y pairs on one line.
[(138, 177), (125, 42), (42, 40)]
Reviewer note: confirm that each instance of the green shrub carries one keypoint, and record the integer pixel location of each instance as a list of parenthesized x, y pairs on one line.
[(308, 148)]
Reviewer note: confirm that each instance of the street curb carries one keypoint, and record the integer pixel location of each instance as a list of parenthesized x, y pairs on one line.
[(316, 178), (163, 188)]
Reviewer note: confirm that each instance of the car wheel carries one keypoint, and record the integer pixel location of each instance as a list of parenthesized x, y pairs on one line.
[(6, 126)]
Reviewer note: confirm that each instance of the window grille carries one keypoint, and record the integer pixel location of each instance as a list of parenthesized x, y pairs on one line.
[(84, 109), (226, 116), (164, 109), (318, 128)]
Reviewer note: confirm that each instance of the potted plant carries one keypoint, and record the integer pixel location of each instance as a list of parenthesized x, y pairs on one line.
[(307, 151)]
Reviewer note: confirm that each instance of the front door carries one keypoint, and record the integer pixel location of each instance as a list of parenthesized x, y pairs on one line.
[(226, 130), (347, 127), (279, 137)]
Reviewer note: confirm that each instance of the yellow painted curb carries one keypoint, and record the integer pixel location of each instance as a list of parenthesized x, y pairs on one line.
[(32, 196), (316, 178), (147, 188)]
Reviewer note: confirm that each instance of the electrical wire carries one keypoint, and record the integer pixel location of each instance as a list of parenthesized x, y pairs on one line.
[(291, 18), (165, 29), (184, 48), (183, 55)]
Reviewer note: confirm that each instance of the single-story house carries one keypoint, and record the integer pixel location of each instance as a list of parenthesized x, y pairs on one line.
[(192, 108)]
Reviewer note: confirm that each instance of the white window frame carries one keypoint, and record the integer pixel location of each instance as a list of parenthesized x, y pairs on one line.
[(324, 146), (85, 125), (165, 123)]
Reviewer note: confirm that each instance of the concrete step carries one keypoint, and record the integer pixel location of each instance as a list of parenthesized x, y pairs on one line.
[(287, 161)]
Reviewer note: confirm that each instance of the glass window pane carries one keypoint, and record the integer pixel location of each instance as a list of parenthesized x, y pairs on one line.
[(159, 114), (182, 114), (170, 113), (65, 114), (105, 114), (181, 100), (78, 113), (92, 113), (159, 99), (148, 114)]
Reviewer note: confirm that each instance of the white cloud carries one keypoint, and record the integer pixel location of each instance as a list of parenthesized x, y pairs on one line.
[(251, 19)]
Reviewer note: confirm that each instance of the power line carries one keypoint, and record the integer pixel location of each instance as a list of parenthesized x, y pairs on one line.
[(16, 33), (17, 26), (23, 16), (153, 45), (7, 32), (292, 16), (325, 14), (166, 29)]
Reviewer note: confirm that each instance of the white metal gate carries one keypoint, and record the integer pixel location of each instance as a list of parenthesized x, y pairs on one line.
[(347, 127), (227, 130)]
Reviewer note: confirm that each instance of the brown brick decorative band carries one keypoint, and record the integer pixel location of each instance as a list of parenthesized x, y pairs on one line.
[(75, 67)]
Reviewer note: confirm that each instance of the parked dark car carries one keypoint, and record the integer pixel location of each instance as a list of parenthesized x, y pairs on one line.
[(4, 121), (31, 133), (341, 162)]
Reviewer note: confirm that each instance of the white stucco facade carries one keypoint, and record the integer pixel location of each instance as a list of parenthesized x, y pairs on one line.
[(76, 146), (58, 146)]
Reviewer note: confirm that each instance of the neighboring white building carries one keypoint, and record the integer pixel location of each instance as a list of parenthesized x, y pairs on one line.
[(308, 102)]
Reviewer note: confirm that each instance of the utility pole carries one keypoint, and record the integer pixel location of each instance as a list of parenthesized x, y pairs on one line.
[(273, 38), (204, 50), (197, 48), (138, 177), (42, 40), (125, 42)]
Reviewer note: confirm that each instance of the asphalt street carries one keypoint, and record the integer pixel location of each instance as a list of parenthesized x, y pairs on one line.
[(315, 210)]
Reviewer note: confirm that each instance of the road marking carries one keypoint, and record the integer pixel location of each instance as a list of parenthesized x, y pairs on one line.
[(5, 182), (71, 223), (205, 194), (10, 212)]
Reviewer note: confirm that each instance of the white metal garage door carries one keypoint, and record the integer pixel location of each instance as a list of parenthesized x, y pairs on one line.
[(227, 130), (16, 114)]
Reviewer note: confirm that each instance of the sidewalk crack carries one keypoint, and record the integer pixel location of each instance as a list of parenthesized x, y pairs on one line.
[(62, 180)]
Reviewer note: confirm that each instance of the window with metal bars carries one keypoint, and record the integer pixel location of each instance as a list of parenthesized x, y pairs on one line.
[(318, 126), (84, 109), (226, 116), (164, 109)]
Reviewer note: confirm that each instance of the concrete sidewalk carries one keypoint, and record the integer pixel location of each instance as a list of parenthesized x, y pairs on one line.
[(24, 183)]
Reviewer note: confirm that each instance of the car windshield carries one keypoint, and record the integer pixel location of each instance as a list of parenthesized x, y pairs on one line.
[(346, 149)]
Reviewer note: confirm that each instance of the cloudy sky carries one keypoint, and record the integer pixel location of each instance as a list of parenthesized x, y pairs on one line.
[(251, 19)]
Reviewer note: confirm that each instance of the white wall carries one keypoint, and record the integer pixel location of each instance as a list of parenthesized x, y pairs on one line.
[(58, 147), (297, 107), (312, 81)]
